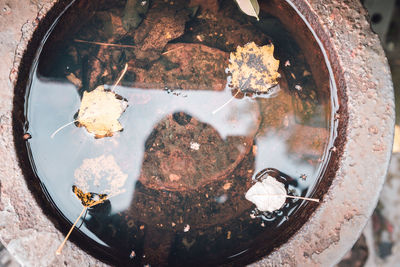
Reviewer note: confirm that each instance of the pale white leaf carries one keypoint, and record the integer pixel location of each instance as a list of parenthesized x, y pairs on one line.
[(249, 7), (268, 195)]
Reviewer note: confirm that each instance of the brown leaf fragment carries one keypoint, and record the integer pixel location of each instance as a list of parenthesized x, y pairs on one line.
[(88, 199), (99, 112)]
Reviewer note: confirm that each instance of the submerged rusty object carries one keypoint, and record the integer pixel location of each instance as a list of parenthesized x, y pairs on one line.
[(172, 160), (349, 188)]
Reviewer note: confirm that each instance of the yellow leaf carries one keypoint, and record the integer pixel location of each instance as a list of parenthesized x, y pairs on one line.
[(100, 111), (254, 68)]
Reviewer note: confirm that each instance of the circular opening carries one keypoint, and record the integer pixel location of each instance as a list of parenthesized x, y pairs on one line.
[(177, 140)]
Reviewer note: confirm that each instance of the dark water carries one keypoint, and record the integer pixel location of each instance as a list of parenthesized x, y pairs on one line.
[(178, 171)]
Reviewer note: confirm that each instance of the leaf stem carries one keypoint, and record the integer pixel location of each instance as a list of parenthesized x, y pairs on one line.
[(62, 127), (120, 77), (304, 198), (104, 44), (58, 252), (226, 103), (172, 50)]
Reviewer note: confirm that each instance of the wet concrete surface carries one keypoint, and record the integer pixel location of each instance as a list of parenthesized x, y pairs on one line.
[(379, 244)]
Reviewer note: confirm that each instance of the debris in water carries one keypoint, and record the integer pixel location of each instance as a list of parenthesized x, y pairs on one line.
[(270, 195), (228, 236), (132, 255), (88, 200), (100, 111), (174, 177), (254, 68), (186, 228), (27, 136), (227, 186), (194, 146), (221, 199)]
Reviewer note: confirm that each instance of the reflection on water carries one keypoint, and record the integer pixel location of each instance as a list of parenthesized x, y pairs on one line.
[(187, 169)]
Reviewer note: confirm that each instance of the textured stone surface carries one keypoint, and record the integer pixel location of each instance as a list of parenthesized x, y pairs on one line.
[(24, 229), (185, 66), (355, 50), (363, 76)]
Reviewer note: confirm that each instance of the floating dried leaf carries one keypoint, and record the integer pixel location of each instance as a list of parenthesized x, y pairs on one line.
[(101, 175), (254, 68), (270, 195), (100, 110), (88, 199)]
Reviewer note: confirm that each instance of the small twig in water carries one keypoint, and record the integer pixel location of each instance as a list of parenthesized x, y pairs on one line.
[(172, 50), (304, 198), (104, 44), (296, 197), (62, 127), (120, 77), (58, 252)]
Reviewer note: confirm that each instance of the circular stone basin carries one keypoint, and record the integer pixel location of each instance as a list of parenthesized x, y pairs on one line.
[(192, 144)]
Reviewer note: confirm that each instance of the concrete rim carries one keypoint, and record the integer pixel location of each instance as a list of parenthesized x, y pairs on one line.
[(365, 89), (363, 79)]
